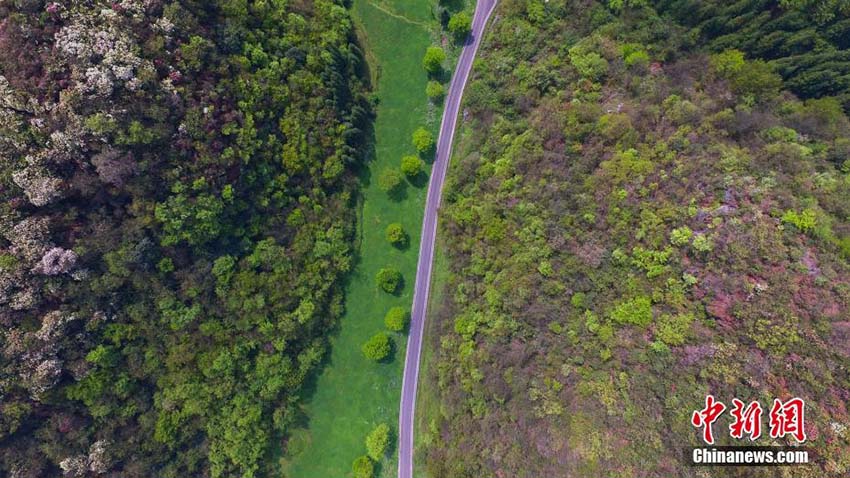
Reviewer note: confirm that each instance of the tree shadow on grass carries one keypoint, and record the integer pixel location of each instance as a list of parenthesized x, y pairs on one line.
[(398, 193), (403, 245), (419, 181)]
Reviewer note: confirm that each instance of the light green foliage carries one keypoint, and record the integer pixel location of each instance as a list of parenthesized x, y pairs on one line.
[(423, 140), (435, 90), (377, 441), (363, 467), (588, 63), (780, 134), (805, 221), (673, 329), (680, 111), (397, 319), (634, 55), (653, 262), (750, 78), (433, 60), (193, 215), (389, 180), (460, 24), (775, 335), (681, 236), (412, 166), (636, 311), (702, 243), (396, 235), (627, 165), (591, 322), (579, 300), (8, 262), (378, 347), (618, 5), (388, 279), (728, 63)]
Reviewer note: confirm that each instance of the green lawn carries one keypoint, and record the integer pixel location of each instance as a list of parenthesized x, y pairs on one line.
[(353, 394)]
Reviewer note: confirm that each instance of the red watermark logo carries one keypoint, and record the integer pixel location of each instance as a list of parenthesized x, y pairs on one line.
[(785, 418)]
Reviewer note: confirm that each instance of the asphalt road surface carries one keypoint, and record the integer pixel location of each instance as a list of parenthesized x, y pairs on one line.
[(429, 232)]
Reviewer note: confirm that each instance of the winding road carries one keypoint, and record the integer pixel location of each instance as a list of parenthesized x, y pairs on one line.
[(483, 10)]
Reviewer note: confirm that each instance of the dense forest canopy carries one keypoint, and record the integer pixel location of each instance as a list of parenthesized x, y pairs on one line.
[(807, 41), (176, 212), (641, 214)]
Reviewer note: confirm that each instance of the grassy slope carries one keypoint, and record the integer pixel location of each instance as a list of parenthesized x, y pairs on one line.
[(353, 394)]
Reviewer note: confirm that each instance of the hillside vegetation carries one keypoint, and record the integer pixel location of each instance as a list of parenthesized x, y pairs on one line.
[(636, 217), (177, 207)]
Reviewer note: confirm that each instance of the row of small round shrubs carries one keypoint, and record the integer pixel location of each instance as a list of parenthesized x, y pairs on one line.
[(377, 443), (389, 279)]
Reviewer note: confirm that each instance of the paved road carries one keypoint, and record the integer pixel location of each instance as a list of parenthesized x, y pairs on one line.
[(429, 232)]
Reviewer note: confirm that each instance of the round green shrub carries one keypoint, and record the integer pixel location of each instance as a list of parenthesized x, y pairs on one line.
[(435, 90), (460, 25), (396, 234), (377, 441), (433, 60), (423, 140), (412, 166), (378, 347), (388, 279), (397, 319), (389, 180), (363, 467)]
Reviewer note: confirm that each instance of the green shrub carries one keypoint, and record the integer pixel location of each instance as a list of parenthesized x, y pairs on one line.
[(435, 90), (681, 236), (423, 140), (578, 300), (377, 441), (780, 134), (363, 467), (397, 319), (636, 311), (673, 329), (412, 166), (805, 221), (396, 235), (388, 279), (378, 347), (389, 180), (702, 243), (460, 25), (433, 60), (589, 64)]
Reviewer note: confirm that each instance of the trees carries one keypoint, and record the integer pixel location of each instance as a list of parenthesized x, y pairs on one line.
[(423, 140), (412, 166), (396, 235), (389, 180), (433, 59), (378, 347), (377, 441), (363, 467), (389, 280), (435, 90), (182, 290), (460, 25), (397, 319)]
